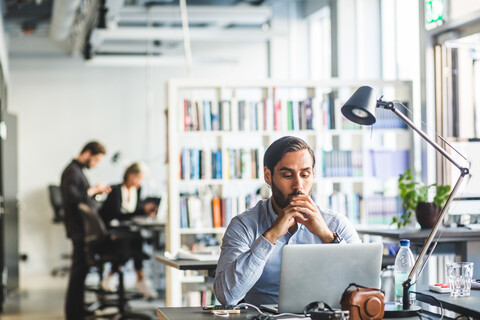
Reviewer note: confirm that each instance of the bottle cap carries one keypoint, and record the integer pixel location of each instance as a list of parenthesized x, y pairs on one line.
[(404, 242)]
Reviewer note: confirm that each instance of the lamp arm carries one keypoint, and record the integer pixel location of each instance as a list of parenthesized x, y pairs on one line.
[(463, 172), (408, 283)]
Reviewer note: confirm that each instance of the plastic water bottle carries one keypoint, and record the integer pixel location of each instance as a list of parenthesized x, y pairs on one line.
[(404, 262)]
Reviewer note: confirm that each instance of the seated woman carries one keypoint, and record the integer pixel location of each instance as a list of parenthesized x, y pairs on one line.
[(122, 204)]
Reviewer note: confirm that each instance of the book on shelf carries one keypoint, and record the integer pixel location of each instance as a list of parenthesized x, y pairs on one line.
[(204, 211), (184, 222), (275, 115), (263, 115), (348, 204), (386, 119), (381, 209), (268, 115), (340, 163), (196, 164), (194, 109), (208, 206), (185, 164), (217, 212), (215, 116), (234, 114), (195, 212), (226, 118), (389, 163), (217, 168), (186, 115), (207, 115)]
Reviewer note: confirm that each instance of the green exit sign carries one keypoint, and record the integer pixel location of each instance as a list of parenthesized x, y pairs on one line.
[(434, 11)]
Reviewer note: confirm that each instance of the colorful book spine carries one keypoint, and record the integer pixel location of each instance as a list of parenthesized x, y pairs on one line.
[(217, 212)]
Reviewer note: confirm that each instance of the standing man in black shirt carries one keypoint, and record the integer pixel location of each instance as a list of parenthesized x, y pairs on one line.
[(76, 189)]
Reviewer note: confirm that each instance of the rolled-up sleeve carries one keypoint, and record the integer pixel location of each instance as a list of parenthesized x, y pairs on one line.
[(241, 262)]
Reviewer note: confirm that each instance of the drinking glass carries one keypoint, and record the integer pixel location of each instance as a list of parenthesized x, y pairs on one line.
[(460, 278)]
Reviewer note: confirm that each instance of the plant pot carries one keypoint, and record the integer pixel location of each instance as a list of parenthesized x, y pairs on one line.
[(427, 214)]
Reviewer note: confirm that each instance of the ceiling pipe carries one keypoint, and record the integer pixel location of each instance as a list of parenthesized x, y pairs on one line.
[(63, 15)]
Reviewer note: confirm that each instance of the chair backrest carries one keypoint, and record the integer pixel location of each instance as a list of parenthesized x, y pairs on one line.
[(93, 225), (57, 203), (100, 245)]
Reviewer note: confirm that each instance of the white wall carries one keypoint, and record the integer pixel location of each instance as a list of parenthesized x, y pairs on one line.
[(61, 104), (359, 55)]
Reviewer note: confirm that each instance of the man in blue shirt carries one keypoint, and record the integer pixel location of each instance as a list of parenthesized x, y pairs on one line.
[(251, 255)]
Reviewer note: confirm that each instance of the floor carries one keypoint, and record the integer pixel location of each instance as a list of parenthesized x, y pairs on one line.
[(42, 298)]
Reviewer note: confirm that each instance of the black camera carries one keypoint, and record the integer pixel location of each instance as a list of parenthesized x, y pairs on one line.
[(329, 315)]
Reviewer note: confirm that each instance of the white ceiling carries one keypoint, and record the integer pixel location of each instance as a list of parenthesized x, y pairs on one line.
[(137, 28)]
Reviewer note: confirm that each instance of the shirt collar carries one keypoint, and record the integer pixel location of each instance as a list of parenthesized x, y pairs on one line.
[(78, 163)]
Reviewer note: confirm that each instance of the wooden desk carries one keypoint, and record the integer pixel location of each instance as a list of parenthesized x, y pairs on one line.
[(468, 306), (461, 241), (197, 313), (183, 264), (418, 236)]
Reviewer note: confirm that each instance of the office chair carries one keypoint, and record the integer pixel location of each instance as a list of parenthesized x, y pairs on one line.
[(103, 246), (58, 217)]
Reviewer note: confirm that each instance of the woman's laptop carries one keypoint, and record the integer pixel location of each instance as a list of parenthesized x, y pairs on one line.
[(321, 272)]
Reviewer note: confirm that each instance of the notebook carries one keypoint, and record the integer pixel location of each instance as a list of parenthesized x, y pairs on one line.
[(321, 272)]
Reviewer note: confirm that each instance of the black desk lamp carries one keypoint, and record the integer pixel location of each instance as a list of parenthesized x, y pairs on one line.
[(360, 108)]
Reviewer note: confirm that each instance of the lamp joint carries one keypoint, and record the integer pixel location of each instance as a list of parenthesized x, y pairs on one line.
[(385, 104)]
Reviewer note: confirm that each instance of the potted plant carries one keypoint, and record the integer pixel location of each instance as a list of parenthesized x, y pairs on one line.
[(414, 197)]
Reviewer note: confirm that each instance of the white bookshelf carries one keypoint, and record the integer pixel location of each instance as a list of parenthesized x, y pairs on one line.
[(321, 139)]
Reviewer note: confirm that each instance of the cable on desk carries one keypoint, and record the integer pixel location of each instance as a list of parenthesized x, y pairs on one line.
[(435, 299), (267, 316)]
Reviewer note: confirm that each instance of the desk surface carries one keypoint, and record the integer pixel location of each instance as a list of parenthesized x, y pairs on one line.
[(418, 235), (469, 306), (196, 313), (183, 264)]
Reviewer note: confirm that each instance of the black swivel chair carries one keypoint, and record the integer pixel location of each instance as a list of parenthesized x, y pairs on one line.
[(58, 217), (102, 246)]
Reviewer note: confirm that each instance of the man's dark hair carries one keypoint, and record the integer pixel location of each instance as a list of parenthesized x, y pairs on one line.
[(280, 147), (94, 147)]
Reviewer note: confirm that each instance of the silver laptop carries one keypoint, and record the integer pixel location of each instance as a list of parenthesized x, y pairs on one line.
[(321, 272)]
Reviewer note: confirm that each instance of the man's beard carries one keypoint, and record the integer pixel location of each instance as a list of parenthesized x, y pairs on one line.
[(282, 200), (88, 163)]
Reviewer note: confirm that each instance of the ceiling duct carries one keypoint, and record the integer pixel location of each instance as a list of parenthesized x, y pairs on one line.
[(63, 16)]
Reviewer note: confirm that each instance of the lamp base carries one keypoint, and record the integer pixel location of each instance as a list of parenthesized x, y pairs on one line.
[(393, 310)]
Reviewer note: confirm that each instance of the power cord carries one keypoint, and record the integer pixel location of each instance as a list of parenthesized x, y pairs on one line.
[(268, 316), (439, 303)]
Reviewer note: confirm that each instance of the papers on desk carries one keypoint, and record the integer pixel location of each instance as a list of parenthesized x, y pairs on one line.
[(187, 255), (475, 226)]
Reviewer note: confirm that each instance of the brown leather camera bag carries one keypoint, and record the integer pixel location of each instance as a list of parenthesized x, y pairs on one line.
[(363, 303)]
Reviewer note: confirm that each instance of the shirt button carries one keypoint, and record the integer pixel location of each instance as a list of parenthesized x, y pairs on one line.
[(251, 272), (264, 250)]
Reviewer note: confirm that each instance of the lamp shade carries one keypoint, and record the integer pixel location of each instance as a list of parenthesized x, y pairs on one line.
[(360, 108)]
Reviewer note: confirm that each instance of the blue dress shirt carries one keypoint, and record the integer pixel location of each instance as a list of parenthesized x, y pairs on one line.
[(249, 265)]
